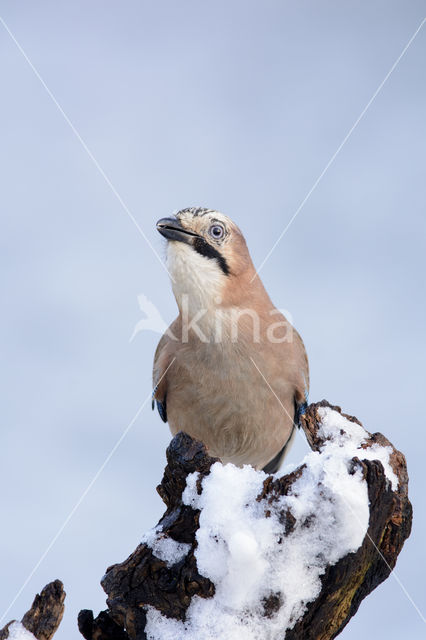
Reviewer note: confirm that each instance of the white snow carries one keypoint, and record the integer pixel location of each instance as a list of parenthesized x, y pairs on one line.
[(245, 554), (17, 631), (352, 438), (165, 548)]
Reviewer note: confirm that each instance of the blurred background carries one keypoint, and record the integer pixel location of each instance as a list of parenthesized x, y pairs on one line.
[(237, 106)]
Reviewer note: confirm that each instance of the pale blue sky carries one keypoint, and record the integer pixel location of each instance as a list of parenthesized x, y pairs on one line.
[(236, 106)]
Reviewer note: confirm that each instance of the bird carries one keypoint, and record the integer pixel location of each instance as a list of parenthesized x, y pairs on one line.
[(231, 370)]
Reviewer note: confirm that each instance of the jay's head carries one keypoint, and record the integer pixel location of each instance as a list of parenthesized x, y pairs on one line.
[(206, 251)]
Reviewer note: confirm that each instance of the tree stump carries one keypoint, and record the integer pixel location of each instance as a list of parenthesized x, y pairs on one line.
[(149, 583), (45, 615)]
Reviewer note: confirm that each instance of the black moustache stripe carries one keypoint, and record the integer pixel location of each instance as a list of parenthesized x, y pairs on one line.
[(205, 249)]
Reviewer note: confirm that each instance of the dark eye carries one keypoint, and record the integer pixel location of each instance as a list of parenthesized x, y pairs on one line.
[(217, 231)]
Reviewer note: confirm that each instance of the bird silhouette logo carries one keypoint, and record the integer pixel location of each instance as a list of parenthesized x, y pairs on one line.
[(153, 320)]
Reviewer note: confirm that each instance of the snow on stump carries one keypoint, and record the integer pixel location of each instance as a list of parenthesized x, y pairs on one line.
[(239, 554)]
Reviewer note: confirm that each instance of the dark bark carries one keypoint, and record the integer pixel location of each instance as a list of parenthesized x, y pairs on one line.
[(102, 628), (45, 614), (143, 579)]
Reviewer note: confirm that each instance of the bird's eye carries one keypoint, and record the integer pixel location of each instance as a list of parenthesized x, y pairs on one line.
[(217, 231)]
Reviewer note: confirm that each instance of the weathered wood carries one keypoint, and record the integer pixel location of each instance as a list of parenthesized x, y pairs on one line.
[(143, 579), (101, 628), (45, 614), (347, 583)]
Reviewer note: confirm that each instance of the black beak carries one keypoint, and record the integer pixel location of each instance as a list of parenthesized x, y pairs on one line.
[(172, 229)]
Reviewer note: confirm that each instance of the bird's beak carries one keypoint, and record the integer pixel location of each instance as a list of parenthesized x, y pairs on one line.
[(172, 229)]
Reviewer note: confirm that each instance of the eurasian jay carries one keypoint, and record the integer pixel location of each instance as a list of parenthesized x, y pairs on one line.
[(230, 351)]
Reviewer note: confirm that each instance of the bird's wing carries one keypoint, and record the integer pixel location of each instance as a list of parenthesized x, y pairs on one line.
[(162, 360), (273, 465), (301, 395)]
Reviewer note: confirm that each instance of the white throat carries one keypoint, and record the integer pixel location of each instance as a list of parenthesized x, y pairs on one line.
[(197, 281)]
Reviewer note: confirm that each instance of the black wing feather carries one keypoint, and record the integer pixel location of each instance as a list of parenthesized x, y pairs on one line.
[(162, 409), (274, 464)]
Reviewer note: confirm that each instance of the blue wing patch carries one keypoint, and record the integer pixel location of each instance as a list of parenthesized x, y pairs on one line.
[(299, 410), (154, 391)]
